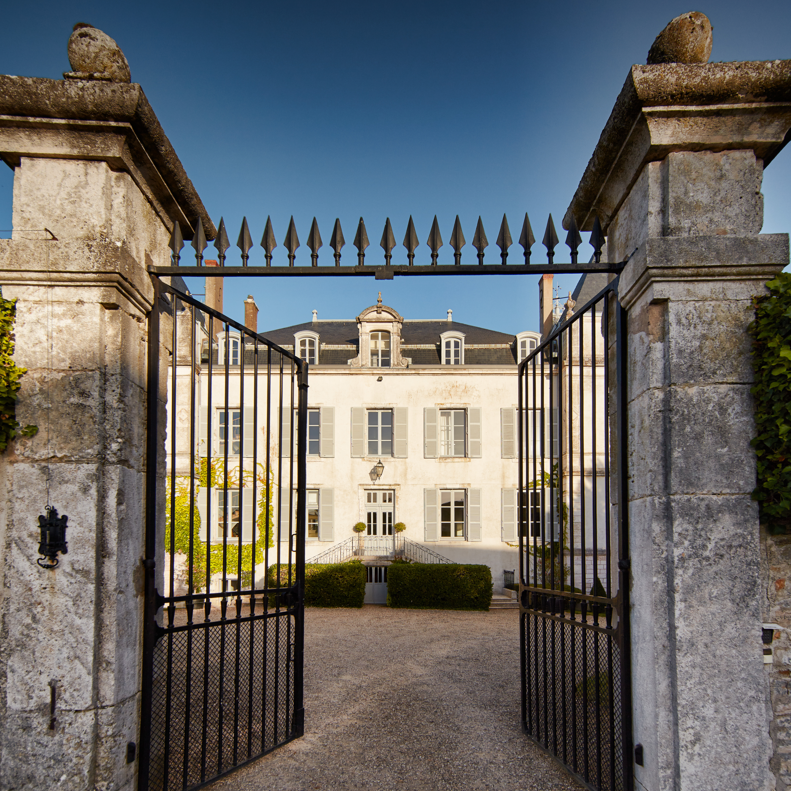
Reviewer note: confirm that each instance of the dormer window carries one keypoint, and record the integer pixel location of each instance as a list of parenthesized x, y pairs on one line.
[(526, 344), (307, 347), (233, 343), (380, 349), (452, 348)]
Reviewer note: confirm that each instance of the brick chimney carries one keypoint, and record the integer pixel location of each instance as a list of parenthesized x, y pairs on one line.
[(545, 304), (251, 314), (214, 295)]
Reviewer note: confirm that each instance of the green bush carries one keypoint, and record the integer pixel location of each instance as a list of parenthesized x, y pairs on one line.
[(771, 333), (439, 587), (328, 584)]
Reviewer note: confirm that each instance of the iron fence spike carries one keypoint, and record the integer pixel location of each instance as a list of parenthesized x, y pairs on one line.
[(268, 241), (434, 241), (221, 242), (457, 240), (526, 238), (479, 241), (245, 242), (550, 240), (176, 242), (573, 239), (361, 242), (388, 241), (337, 241), (504, 240), (314, 243), (597, 240), (199, 242), (291, 242), (411, 241)]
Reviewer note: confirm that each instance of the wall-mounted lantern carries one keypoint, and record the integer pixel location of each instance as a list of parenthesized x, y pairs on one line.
[(376, 471), (53, 538)]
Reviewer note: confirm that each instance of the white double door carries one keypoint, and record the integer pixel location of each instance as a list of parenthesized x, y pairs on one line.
[(379, 510)]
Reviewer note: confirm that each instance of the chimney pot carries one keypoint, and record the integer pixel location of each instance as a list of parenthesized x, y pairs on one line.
[(450, 315)]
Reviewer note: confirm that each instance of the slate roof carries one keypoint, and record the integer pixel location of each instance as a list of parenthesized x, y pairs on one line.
[(499, 345)]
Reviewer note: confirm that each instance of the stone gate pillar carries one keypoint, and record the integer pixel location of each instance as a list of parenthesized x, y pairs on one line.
[(97, 187), (675, 180)]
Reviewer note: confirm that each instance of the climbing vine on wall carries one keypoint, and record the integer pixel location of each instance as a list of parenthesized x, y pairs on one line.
[(771, 334), (10, 378)]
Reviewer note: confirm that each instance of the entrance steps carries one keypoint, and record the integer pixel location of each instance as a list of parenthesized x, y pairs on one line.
[(500, 602)]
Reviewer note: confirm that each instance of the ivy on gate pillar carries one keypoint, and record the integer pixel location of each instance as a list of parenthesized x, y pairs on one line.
[(97, 187), (675, 180)]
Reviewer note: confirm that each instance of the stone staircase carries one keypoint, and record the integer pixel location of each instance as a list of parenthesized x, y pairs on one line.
[(504, 601)]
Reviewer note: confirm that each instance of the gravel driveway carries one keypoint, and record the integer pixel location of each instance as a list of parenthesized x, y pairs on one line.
[(408, 699)]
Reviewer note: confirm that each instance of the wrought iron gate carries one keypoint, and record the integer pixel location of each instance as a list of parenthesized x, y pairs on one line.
[(224, 560), (574, 605)]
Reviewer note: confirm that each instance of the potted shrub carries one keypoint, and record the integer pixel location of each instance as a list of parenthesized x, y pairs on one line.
[(359, 528), (399, 527)]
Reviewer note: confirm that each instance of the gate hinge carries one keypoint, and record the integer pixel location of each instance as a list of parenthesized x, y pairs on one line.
[(624, 565)]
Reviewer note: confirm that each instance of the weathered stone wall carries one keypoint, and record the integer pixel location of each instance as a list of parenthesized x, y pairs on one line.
[(70, 638), (676, 181)]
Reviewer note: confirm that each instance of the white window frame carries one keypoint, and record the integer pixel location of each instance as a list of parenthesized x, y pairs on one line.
[(441, 522), (235, 343), (449, 340), (237, 426), (313, 494), (379, 450), (310, 340), (526, 342), (377, 359), (314, 422), (448, 443)]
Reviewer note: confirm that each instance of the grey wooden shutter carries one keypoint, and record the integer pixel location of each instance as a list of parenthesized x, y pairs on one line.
[(327, 432), (249, 418), (358, 432), (327, 515), (508, 432), (474, 432), (430, 420), (508, 510), (285, 438), (247, 516), (202, 513), (430, 516), (473, 514), (285, 512), (400, 432)]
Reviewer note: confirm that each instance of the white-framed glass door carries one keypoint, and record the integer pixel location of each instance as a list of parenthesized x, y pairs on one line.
[(379, 512)]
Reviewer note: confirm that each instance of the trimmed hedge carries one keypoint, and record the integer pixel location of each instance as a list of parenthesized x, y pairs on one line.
[(328, 584), (439, 587), (771, 334)]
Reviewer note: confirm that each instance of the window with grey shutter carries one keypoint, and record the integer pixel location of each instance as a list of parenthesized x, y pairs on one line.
[(358, 432), (203, 513), (327, 431), (326, 515), (203, 431), (508, 514), (430, 420), (430, 497), (285, 513), (249, 419), (247, 516), (285, 437), (474, 432), (508, 432), (474, 515), (400, 444)]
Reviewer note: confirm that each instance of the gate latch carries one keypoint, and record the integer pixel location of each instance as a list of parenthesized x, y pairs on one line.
[(53, 538)]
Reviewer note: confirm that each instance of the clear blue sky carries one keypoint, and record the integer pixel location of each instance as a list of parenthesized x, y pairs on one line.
[(380, 109)]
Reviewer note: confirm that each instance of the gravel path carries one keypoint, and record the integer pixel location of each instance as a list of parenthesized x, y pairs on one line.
[(412, 700)]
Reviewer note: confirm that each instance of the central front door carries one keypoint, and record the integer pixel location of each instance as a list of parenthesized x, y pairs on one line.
[(379, 512)]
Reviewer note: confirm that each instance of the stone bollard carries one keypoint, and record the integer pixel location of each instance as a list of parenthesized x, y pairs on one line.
[(675, 180), (97, 187)]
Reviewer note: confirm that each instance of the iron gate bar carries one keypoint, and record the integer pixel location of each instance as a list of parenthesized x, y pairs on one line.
[(598, 749), (196, 765), (386, 272)]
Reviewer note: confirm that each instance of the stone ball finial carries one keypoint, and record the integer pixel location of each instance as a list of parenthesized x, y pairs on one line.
[(93, 55), (685, 39)]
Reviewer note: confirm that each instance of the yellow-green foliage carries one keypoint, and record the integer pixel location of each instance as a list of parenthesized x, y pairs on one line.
[(180, 537), (10, 378)]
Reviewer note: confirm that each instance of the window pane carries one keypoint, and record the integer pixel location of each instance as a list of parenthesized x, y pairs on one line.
[(314, 433)]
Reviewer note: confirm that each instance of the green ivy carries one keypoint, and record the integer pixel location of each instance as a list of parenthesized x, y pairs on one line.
[(10, 378), (771, 351)]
